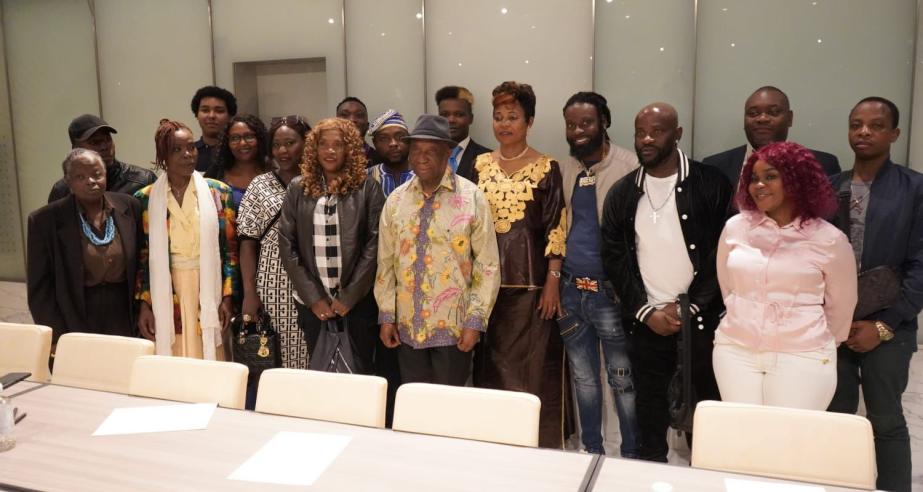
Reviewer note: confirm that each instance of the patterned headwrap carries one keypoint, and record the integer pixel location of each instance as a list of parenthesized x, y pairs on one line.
[(388, 118)]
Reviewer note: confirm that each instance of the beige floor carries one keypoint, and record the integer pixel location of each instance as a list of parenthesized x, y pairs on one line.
[(13, 308)]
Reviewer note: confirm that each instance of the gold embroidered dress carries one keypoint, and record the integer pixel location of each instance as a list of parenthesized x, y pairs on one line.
[(521, 351)]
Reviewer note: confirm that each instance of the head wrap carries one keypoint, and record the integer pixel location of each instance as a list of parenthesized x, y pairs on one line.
[(388, 118)]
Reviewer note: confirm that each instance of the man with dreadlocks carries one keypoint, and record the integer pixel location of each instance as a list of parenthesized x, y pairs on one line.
[(591, 313)]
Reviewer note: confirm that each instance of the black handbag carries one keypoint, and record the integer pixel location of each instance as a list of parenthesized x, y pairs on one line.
[(255, 344), (681, 392), (879, 288), (333, 351)]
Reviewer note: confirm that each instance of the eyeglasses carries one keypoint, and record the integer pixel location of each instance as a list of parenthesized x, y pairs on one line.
[(249, 138)]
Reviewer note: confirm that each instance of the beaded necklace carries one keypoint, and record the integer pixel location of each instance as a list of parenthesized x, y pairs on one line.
[(108, 233)]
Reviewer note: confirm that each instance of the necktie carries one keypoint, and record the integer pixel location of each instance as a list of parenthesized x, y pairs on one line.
[(453, 159)]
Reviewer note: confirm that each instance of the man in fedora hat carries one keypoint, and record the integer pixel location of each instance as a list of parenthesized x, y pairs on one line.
[(92, 132), (438, 264)]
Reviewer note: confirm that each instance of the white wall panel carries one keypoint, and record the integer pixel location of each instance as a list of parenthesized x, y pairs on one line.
[(481, 43), (153, 56)]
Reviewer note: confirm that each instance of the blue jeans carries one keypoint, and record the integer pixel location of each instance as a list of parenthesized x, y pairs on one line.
[(591, 318)]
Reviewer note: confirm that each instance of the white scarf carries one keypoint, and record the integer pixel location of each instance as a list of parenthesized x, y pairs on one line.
[(209, 267)]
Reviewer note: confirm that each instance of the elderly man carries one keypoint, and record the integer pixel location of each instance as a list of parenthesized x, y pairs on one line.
[(93, 133), (438, 263)]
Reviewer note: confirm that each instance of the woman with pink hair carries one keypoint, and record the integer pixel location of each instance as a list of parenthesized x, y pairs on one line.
[(788, 279)]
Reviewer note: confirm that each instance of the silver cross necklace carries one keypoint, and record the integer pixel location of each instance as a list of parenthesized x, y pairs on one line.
[(654, 215)]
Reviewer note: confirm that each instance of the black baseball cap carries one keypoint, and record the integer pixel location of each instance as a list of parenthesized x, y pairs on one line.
[(84, 126)]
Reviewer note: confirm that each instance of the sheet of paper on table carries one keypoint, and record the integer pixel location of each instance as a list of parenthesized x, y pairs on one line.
[(160, 418), (292, 458), (742, 485)]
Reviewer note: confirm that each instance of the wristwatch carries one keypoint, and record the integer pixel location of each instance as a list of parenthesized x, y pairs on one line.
[(884, 333), (555, 273)]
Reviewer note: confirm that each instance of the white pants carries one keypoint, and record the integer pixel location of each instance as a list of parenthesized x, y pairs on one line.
[(782, 379)]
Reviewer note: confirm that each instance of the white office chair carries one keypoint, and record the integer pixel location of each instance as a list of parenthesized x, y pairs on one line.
[(346, 398), (25, 348), (190, 380), (506, 417), (794, 444), (97, 362)]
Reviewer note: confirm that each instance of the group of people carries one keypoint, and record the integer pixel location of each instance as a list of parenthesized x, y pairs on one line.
[(447, 262)]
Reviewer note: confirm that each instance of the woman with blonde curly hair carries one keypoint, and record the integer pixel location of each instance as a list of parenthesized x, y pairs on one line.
[(329, 238)]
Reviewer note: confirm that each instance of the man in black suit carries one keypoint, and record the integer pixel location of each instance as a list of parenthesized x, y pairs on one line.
[(767, 118), (455, 104)]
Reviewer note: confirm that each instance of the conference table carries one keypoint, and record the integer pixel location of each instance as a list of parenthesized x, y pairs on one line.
[(56, 451)]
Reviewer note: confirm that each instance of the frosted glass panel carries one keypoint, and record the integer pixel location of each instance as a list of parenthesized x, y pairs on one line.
[(479, 44), (825, 54), (52, 72), (384, 56), (645, 52), (248, 31), (11, 238), (145, 74)]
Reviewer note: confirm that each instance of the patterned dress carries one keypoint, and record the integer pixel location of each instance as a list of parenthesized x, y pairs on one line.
[(521, 351), (258, 219)]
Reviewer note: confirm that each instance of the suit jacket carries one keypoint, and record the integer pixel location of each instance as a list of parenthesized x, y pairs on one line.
[(466, 166), (54, 261), (730, 162)]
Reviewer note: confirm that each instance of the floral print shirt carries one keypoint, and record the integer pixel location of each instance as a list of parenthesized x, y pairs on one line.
[(438, 264)]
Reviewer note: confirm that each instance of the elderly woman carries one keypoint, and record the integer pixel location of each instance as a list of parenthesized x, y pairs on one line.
[(523, 350), (243, 156), (82, 254), (189, 252), (788, 279), (266, 285), (329, 237)]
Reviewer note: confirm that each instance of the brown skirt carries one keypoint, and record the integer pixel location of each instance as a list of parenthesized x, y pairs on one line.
[(523, 352)]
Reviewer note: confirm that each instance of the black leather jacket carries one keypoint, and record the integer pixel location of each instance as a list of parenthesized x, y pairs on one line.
[(702, 198), (358, 214), (120, 178)]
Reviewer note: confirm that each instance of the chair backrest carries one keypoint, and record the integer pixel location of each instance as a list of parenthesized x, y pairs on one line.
[(190, 380), (98, 362), (25, 348), (347, 398), (795, 444), (506, 417)]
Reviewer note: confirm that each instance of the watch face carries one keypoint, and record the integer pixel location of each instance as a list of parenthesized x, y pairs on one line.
[(883, 332)]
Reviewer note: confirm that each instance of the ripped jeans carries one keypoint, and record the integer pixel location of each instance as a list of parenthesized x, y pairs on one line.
[(591, 319)]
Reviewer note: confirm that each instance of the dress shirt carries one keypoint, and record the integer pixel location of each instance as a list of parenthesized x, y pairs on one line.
[(786, 289), (438, 263)]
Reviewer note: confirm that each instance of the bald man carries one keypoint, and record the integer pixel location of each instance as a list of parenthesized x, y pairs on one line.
[(767, 118), (660, 230)]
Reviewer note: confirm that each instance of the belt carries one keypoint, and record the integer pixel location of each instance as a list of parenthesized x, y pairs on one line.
[(583, 283)]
